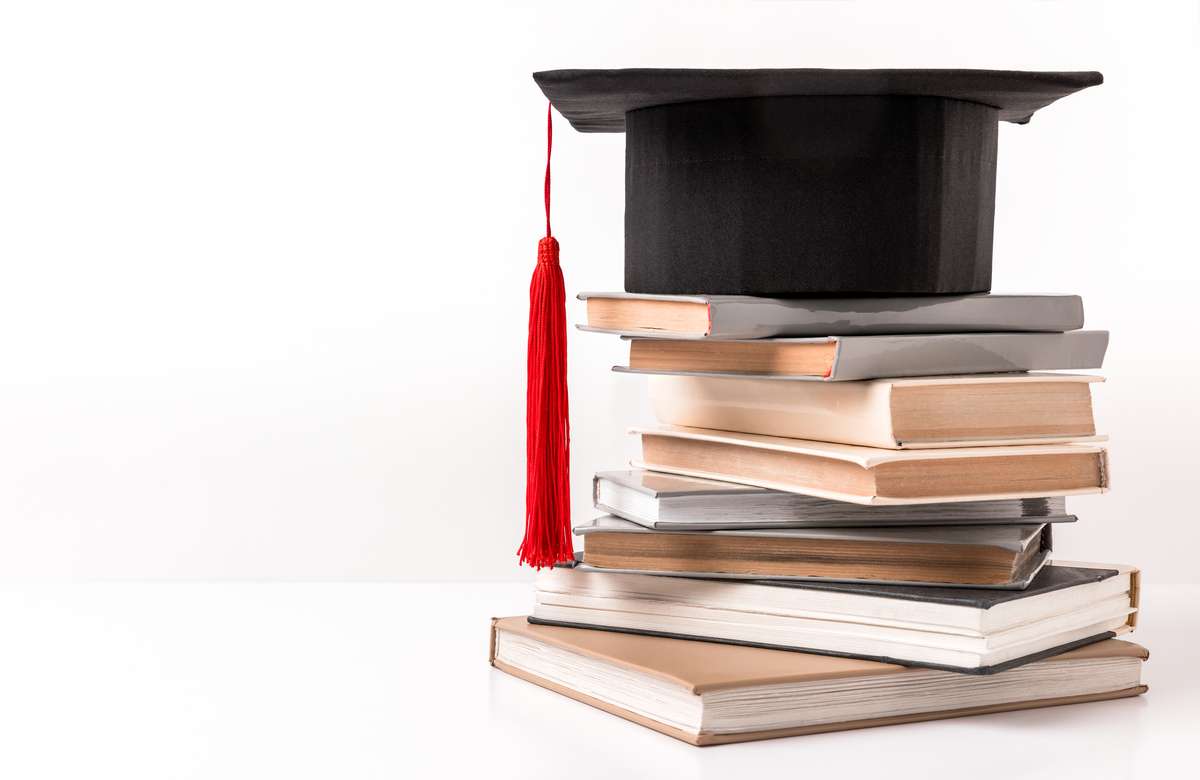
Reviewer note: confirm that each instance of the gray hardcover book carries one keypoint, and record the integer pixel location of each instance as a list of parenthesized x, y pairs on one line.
[(672, 502), (878, 357), (744, 317)]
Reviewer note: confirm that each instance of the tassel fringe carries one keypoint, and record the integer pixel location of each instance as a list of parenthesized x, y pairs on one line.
[(548, 428)]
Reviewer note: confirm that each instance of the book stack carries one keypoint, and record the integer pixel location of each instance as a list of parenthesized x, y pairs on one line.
[(845, 515), (866, 551)]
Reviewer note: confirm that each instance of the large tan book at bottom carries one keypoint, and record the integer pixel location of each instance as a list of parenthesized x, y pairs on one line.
[(708, 693)]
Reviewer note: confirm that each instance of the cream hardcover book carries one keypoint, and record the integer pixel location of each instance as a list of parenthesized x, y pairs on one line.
[(921, 412)]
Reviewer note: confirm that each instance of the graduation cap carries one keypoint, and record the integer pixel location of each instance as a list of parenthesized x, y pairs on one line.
[(797, 182), (807, 182)]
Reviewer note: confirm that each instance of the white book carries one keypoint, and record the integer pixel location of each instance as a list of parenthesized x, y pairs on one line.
[(974, 630)]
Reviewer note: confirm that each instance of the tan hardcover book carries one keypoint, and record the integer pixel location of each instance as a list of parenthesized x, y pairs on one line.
[(868, 475), (954, 411), (707, 693)]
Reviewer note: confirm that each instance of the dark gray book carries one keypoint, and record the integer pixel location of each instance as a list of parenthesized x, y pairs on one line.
[(968, 630)]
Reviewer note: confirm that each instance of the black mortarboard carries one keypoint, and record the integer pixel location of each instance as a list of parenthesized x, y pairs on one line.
[(807, 181)]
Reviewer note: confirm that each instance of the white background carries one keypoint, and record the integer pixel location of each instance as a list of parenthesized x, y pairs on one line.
[(265, 264)]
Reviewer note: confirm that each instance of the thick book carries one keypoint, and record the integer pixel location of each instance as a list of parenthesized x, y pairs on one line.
[(706, 693), (970, 630), (957, 411), (990, 556), (870, 475), (844, 358), (681, 503), (745, 317)]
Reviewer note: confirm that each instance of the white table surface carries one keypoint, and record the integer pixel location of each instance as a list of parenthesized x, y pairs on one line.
[(391, 680)]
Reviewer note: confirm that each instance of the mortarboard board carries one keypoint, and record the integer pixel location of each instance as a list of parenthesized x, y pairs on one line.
[(807, 181), (798, 182)]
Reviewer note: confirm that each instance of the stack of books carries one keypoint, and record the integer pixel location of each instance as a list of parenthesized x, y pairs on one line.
[(844, 518)]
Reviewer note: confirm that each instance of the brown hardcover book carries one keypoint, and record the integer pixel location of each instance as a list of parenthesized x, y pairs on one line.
[(983, 556), (867, 475), (708, 694)]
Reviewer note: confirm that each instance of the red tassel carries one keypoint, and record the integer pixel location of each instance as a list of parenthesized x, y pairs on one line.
[(547, 424)]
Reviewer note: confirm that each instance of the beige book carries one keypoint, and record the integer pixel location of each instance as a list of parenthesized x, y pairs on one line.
[(869, 475), (706, 693), (952, 411)]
